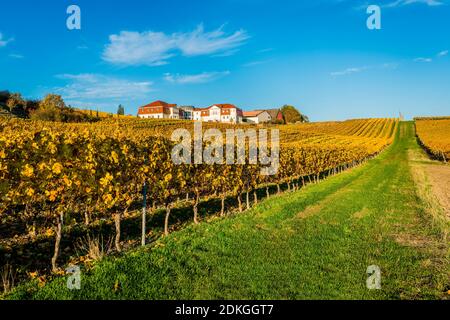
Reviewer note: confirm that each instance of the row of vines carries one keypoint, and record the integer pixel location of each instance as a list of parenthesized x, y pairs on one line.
[(98, 171), (434, 136)]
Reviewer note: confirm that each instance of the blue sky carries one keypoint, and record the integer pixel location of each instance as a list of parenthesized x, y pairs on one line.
[(317, 55)]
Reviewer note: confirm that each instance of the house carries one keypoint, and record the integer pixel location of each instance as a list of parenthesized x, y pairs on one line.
[(276, 115), (259, 116), (159, 110), (186, 112), (226, 113)]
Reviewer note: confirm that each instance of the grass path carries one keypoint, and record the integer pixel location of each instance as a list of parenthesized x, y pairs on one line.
[(313, 244)]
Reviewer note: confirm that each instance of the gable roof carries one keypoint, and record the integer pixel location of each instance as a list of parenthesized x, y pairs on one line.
[(159, 103), (273, 112), (224, 106), (253, 113)]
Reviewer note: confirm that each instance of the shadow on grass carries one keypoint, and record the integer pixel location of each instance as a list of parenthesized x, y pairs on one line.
[(34, 255)]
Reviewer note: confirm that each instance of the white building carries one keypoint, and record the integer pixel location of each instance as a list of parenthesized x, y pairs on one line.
[(226, 113), (260, 116), (186, 112), (159, 110)]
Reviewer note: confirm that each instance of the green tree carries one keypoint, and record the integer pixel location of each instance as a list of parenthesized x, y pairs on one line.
[(292, 115), (121, 110)]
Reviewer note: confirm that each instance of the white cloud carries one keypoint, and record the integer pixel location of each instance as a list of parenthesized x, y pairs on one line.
[(400, 3), (255, 63), (353, 70), (134, 48), (423, 60), (226, 53), (348, 71), (199, 42), (390, 65), (265, 50), (442, 53), (16, 56), (195, 78), (155, 48), (3, 41), (96, 87)]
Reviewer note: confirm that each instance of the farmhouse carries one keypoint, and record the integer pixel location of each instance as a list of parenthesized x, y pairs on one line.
[(226, 113), (159, 110), (259, 116), (275, 114)]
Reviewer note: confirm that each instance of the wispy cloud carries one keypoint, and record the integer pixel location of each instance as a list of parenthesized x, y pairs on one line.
[(134, 48), (195, 78), (82, 88), (421, 59), (348, 71), (156, 48), (353, 70), (428, 60), (3, 41), (199, 42), (401, 3), (265, 50), (16, 56), (256, 63), (226, 53)]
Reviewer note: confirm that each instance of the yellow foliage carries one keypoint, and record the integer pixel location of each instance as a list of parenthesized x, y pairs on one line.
[(28, 171), (57, 168)]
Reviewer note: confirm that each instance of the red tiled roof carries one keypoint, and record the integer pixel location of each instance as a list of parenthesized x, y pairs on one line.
[(165, 107), (159, 103), (224, 106)]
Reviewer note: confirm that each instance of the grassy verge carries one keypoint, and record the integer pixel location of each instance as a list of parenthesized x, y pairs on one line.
[(313, 244)]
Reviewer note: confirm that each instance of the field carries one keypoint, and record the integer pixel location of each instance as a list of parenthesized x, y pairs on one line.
[(61, 183), (434, 135)]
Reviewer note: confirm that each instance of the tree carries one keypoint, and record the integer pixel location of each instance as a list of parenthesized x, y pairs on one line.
[(30, 106), (52, 102), (120, 110), (51, 108), (292, 115), (15, 100)]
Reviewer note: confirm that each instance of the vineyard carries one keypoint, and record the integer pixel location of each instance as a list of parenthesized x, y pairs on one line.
[(434, 136), (54, 177)]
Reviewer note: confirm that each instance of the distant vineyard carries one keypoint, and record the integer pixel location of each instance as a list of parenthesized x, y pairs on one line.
[(434, 135), (97, 171), (104, 115)]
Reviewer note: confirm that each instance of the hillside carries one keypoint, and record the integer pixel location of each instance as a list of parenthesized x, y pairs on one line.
[(315, 243)]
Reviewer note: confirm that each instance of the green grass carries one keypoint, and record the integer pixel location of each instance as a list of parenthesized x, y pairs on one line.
[(312, 244)]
